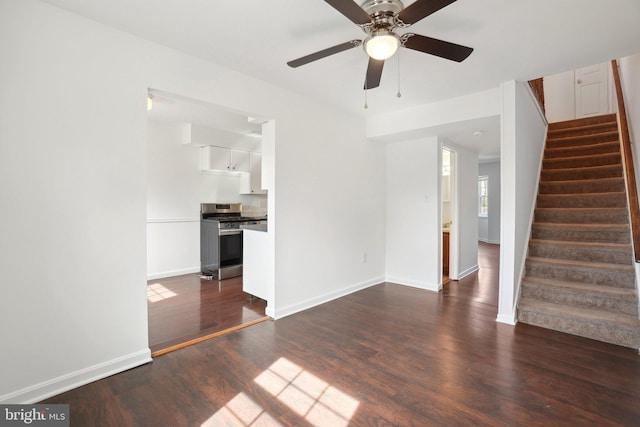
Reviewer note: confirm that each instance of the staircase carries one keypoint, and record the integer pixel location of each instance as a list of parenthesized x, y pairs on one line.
[(580, 276)]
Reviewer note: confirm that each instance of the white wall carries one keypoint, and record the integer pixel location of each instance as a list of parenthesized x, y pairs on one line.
[(330, 199), (73, 140), (523, 131), (489, 227), (559, 96), (413, 228), (411, 123), (464, 236), (483, 229), (73, 166)]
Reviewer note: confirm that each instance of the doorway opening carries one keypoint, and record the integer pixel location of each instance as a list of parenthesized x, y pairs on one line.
[(183, 307), (448, 212)]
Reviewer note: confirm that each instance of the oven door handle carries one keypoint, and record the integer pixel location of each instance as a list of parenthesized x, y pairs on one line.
[(229, 232)]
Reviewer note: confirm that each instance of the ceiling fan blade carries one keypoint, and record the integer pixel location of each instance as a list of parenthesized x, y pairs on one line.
[(324, 53), (441, 48), (421, 9), (374, 73), (351, 10)]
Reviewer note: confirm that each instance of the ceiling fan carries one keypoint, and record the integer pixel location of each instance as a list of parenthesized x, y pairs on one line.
[(379, 20)]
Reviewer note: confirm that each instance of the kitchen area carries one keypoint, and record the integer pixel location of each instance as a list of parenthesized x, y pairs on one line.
[(230, 246), (208, 242)]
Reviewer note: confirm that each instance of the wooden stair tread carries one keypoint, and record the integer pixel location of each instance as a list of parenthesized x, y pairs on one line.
[(607, 134), (569, 208), (592, 167), (592, 128), (586, 147), (586, 181), (599, 194), (582, 157), (583, 122)]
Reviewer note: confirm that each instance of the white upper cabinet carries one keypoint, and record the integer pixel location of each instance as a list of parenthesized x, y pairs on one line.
[(214, 158), (240, 161), (252, 184), (224, 159)]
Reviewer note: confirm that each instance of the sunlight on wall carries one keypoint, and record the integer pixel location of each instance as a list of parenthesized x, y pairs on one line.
[(305, 394), (157, 292)]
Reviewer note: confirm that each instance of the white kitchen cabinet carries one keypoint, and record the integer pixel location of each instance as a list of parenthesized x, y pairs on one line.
[(252, 183), (214, 158), (240, 161), (255, 268), (224, 159)]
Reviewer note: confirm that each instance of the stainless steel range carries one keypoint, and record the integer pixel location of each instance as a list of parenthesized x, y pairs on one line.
[(221, 239)]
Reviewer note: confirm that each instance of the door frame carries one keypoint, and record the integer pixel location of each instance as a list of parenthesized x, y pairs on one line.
[(453, 200)]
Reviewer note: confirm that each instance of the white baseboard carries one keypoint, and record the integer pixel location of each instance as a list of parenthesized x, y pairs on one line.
[(268, 310), (467, 272), (55, 386), (173, 273), (433, 287), (491, 242), (312, 302), (508, 318)]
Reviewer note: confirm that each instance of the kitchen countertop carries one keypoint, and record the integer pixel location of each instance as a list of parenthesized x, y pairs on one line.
[(254, 227)]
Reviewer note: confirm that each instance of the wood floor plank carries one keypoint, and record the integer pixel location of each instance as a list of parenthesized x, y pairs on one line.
[(183, 309)]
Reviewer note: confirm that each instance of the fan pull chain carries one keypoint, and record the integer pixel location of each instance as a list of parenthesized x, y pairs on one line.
[(399, 94)]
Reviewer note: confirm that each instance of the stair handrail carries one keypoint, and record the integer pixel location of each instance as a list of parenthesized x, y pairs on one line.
[(627, 155), (537, 87)]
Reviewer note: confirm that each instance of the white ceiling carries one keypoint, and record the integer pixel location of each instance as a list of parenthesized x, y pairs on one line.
[(513, 40), (172, 108)]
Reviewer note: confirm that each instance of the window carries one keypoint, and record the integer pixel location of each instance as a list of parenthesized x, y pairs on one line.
[(483, 196)]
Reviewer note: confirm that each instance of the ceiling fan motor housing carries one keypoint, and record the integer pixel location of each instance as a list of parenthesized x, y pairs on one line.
[(383, 13), (383, 7)]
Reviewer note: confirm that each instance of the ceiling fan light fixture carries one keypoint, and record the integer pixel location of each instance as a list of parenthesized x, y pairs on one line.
[(381, 45)]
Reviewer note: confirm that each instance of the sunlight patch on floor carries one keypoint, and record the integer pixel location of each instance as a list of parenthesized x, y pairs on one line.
[(313, 399), (307, 395), (241, 411), (157, 292)]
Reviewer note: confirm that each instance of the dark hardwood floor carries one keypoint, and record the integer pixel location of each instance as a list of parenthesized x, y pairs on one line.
[(184, 308), (482, 286), (387, 355)]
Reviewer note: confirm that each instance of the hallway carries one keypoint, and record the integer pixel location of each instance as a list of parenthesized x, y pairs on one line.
[(481, 286)]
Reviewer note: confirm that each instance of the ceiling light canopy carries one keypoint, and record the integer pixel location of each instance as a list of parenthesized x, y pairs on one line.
[(382, 44)]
